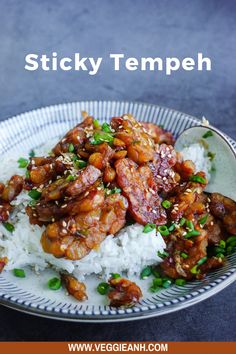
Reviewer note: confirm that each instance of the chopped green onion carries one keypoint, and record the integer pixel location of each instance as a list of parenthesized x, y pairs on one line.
[(163, 229), (27, 174), (115, 275), (222, 244), (171, 227), (115, 190), (155, 273), (103, 288), (220, 255), (207, 134), (34, 194), (96, 123), (189, 225), (231, 241), (195, 270), (219, 250), (201, 261), (100, 137), (166, 204), (80, 163), (54, 283), (71, 147), (32, 153), (154, 289), (167, 283), (211, 155), (198, 179), (203, 220), (184, 255), (148, 228), (9, 227), (20, 273), (146, 272), (163, 254), (22, 163), (157, 282), (70, 178), (180, 282), (182, 221), (192, 233), (229, 249), (106, 128)]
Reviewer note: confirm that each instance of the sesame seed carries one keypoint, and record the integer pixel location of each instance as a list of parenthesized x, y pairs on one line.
[(64, 206), (152, 191), (64, 231)]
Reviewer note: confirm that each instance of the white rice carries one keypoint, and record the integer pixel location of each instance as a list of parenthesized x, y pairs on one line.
[(128, 252), (198, 154)]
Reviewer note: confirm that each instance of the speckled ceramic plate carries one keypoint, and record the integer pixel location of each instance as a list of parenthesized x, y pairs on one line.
[(31, 294)]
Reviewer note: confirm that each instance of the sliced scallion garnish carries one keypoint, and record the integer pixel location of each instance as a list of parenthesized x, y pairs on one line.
[(203, 220), (106, 128), (20, 273), (166, 204), (148, 228), (146, 272), (22, 162), (100, 137), (192, 234), (180, 282), (207, 134), (71, 147), (198, 179), (54, 283), (103, 288), (34, 194), (163, 229), (9, 227), (163, 254)]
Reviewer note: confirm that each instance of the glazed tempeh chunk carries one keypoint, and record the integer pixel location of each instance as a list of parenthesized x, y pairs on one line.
[(139, 186)]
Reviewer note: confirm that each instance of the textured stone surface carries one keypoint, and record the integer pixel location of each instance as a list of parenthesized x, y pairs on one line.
[(138, 28)]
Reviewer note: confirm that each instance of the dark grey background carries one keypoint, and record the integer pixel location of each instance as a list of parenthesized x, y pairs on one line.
[(136, 28)]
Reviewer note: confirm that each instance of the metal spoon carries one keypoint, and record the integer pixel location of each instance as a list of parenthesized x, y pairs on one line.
[(223, 178)]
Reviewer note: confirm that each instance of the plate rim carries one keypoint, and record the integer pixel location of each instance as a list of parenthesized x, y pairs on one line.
[(103, 318)]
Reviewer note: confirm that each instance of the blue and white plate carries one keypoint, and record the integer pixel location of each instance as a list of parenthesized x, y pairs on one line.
[(31, 294)]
